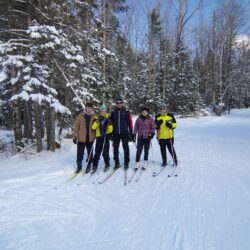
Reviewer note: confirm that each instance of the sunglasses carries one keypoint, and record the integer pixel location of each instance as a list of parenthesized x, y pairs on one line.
[(119, 103), (162, 108)]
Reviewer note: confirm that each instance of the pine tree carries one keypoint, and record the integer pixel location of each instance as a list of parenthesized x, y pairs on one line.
[(181, 83)]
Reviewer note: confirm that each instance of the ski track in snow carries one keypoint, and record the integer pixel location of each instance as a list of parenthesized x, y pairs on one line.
[(206, 207)]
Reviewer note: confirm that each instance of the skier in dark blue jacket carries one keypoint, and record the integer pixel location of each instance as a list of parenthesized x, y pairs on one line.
[(122, 131)]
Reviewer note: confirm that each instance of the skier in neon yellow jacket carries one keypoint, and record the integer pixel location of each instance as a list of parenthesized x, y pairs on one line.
[(165, 125), (103, 127)]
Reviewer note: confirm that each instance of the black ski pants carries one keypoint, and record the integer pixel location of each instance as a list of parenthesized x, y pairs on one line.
[(102, 147), (80, 152), (124, 139), (140, 144), (169, 143)]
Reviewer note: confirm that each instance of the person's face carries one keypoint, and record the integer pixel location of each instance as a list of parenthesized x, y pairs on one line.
[(119, 104), (163, 110), (103, 113), (89, 109), (144, 112)]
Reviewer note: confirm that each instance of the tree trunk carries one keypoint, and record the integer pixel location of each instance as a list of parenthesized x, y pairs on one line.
[(164, 71), (52, 129), (214, 60), (220, 67), (38, 126), (104, 46), (17, 122), (27, 117)]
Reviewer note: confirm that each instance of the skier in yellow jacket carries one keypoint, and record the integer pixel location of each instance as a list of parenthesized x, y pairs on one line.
[(165, 125), (103, 127)]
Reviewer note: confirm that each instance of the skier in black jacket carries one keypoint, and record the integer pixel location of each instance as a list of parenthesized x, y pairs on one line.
[(122, 130)]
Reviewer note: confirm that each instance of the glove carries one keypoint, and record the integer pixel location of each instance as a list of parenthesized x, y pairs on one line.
[(132, 137), (169, 125), (151, 136), (75, 140), (109, 121), (159, 122), (112, 137)]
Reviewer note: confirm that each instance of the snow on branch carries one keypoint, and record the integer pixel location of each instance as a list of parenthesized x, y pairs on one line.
[(3, 76), (69, 84), (106, 51), (23, 95)]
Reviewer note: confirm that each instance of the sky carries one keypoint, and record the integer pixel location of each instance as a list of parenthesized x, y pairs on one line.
[(139, 8)]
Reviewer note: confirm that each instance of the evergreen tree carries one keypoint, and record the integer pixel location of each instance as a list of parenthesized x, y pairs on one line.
[(182, 94)]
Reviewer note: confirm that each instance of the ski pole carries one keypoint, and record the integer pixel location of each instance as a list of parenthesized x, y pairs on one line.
[(89, 155), (152, 151), (104, 141), (172, 148)]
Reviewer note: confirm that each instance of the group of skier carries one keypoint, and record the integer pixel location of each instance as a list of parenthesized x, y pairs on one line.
[(118, 127)]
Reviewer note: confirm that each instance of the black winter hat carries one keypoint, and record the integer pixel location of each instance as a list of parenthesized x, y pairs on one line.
[(119, 99), (144, 108)]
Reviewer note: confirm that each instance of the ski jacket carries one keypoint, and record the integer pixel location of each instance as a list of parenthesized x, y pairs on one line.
[(163, 132), (144, 125), (102, 127), (80, 130), (122, 121)]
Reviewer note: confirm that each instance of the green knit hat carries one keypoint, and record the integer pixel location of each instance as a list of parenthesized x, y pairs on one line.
[(103, 107)]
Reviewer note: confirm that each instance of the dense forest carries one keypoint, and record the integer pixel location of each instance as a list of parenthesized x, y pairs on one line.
[(55, 55)]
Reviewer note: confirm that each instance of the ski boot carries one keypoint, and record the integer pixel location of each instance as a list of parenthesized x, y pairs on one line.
[(137, 165), (94, 169), (79, 168), (106, 168), (117, 165), (164, 163), (175, 163), (87, 170), (126, 166), (145, 165)]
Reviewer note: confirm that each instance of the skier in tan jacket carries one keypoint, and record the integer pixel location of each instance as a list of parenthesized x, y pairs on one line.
[(84, 136)]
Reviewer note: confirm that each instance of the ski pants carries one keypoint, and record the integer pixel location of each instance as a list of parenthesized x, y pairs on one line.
[(140, 144), (102, 147), (116, 143), (80, 152), (169, 143)]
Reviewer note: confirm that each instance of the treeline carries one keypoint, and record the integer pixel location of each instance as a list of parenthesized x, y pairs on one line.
[(58, 54)]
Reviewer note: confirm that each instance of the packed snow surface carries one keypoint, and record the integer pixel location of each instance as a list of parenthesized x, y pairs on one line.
[(206, 207)]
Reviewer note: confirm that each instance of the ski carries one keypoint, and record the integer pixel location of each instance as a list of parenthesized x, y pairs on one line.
[(95, 173), (125, 177), (69, 180), (73, 177), (107, 177), (133, 175), (140, 174), (162, 168), (157, 173), (173, 173), (83, 174)]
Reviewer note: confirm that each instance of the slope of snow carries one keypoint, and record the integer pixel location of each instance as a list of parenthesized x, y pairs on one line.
[(206, 207)]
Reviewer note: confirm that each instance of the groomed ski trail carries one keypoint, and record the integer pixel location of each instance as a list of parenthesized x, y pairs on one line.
[(206, 207)]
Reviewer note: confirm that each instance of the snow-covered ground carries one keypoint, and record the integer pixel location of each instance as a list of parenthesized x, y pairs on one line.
[(206, 207)]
